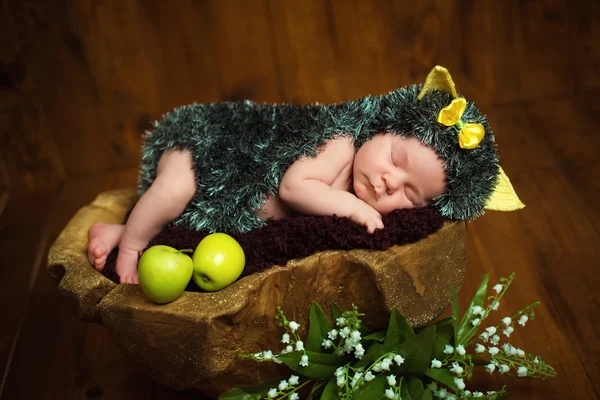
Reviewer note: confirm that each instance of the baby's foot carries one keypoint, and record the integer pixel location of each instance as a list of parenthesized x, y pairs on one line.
[(103, 239), (127, 262)]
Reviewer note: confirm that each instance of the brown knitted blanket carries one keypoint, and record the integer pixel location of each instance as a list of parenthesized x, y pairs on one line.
[(300, 236)]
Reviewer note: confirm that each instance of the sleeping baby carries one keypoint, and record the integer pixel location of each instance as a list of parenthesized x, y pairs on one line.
[(231, 167)]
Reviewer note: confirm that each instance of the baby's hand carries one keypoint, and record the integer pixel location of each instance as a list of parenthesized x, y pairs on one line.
[(367, 216)]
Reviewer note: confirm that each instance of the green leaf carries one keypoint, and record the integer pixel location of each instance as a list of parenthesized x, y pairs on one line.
[(378, 336), (415, 388), (364, 331), (316, 390), (320, 365), (417, 351), (412, 389), (250, 393), (443, 376), (331, 391), (372, 390), (443, 336), (318, 328), (398, 330), (455, 312), (335, 311), (439, 322), (427, 395), (465, 324)]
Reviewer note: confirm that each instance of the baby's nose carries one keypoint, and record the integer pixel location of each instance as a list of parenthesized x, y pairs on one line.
[(392, 182)]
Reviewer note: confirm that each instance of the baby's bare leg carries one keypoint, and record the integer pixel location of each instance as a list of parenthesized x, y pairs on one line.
[(165, 200)]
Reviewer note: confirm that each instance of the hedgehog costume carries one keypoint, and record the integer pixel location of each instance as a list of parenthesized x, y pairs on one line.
[(241, 150)]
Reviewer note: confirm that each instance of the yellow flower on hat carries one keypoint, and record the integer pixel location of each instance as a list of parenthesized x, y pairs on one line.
[(469, 134)]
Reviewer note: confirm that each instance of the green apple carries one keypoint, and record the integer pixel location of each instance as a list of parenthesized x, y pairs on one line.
[(164, 273), (218, 261)]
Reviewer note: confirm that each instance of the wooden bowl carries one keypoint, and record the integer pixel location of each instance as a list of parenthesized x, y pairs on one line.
[(194, 341)]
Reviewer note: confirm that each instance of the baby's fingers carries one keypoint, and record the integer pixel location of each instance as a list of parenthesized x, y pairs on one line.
[(373, 225)]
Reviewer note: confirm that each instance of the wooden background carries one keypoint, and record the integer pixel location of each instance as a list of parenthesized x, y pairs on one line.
[(80, 81)]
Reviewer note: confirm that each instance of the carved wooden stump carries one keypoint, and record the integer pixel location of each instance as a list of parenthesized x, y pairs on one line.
[(194, 341)]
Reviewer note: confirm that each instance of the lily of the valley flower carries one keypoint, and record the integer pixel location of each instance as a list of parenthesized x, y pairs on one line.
[(493, 350), (294, 396), (523, 320), (389, 393), (484, 336), (457, 369), (495, 305), (327, 343), (508, 331), (359, 351), (369, 376), (477, 309), (460, 383), (460, 349), (503, 368), (303, 361), (399, 359), (495, 339), (299, 345), (345, 332), (436, 363), (522, 371), (332, 334), (490, 368), (283, 385), (448, 349), (491, 330), (498, 288), (506, 321), (294, 380), (340, 321), (272, 393), (479, 348), (475, 322), (391, 380), (285, 338), (385, 364), (294, 326)]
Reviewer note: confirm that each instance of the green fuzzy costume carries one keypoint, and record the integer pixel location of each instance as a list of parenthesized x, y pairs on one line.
[(241, 150)]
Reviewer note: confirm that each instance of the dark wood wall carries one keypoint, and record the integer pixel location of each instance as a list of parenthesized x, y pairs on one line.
[(81, 80)]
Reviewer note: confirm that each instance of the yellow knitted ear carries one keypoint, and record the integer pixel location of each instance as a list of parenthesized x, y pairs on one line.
[(439, 78), (504, 197)]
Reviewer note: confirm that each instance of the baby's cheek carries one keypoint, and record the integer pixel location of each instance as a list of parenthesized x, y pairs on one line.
[(360, 191)]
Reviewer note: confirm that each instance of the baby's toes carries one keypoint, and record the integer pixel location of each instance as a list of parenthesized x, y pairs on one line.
[(133, 279), (100, 262)]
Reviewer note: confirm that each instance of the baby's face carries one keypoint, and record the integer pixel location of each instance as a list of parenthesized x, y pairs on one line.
[(392, 173)]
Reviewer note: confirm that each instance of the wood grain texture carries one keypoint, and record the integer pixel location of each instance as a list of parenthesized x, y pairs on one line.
[(80, 81), (29, 159)]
